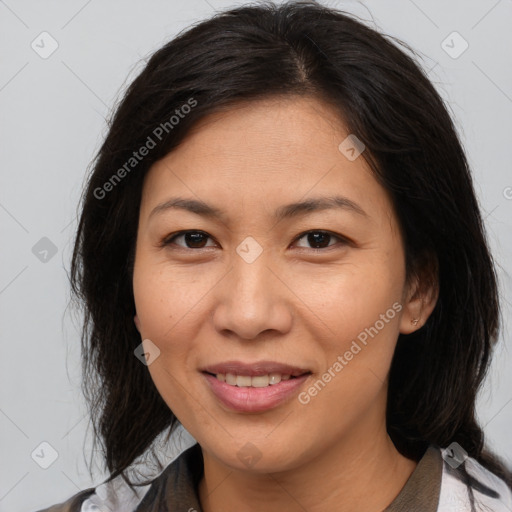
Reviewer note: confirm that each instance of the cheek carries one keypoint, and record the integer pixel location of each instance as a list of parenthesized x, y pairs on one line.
[(357, 313), (349, 298), (164, 297), (355, 341), (162, 304), (168, 304)]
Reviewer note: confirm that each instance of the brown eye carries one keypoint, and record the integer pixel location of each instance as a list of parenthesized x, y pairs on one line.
[(320, 239), (192, 239)]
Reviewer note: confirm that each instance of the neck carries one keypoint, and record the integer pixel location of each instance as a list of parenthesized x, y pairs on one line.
[(337, 479)]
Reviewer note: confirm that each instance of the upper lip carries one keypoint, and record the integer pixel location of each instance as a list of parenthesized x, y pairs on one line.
[(255, 369)]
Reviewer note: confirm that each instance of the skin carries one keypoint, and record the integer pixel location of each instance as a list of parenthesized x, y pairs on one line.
[(293, 304)]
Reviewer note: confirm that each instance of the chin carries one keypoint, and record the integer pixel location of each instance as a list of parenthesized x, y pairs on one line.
[(258, 457)]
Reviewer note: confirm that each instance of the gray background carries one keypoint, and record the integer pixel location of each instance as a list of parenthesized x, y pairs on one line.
[(52, 122)]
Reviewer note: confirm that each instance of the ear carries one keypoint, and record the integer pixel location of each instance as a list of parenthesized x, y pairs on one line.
[(421, 296), (137, 322)]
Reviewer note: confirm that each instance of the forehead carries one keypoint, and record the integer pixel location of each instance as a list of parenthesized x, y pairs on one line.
[(272, 152)]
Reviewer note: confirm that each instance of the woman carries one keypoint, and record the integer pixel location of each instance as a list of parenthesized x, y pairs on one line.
[(280, 249)]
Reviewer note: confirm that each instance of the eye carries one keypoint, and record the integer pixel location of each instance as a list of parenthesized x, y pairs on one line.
[(193, 239), (320, 239)]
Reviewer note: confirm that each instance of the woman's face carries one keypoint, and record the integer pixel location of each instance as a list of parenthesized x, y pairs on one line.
[(304, 324)]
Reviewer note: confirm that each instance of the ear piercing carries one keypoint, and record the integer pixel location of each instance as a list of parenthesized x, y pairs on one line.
[(415, 321)]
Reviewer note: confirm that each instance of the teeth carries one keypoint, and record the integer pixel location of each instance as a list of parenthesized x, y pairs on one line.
[(245, 381), (231, 379), (275, 378), (259, 382)]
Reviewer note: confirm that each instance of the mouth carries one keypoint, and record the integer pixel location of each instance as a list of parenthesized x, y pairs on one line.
[(255, 369), (248, 381), (254, 387)]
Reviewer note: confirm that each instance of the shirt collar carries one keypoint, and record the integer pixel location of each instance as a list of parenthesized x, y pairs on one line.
[(177, 486)]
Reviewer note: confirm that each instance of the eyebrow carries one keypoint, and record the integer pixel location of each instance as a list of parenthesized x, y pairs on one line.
[(283, 212)]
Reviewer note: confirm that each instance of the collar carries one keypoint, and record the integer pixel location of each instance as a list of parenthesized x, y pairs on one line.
[(177, 486)]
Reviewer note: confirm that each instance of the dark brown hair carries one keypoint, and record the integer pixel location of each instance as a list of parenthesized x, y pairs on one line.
[(383, 96)]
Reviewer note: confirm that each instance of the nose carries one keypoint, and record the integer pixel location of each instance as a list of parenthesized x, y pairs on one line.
[(252, 299)]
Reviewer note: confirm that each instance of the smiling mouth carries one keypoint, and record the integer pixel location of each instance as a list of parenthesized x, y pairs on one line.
[(259, 381)]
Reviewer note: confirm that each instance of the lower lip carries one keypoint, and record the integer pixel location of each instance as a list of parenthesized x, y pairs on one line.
[(249, 399)]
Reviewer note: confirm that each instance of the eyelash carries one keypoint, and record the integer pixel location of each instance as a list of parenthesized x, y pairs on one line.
[(168, 240)]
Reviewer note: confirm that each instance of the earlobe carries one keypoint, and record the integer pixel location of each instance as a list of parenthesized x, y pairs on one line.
[(412, 319), (418, 308)]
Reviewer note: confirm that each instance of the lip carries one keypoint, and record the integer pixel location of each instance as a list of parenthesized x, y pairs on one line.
[(249, 399), (255, 369)]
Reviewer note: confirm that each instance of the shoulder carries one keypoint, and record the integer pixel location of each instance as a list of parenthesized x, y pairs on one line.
[(73, 504), (175, 482), (488, 489), (112, 496)]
